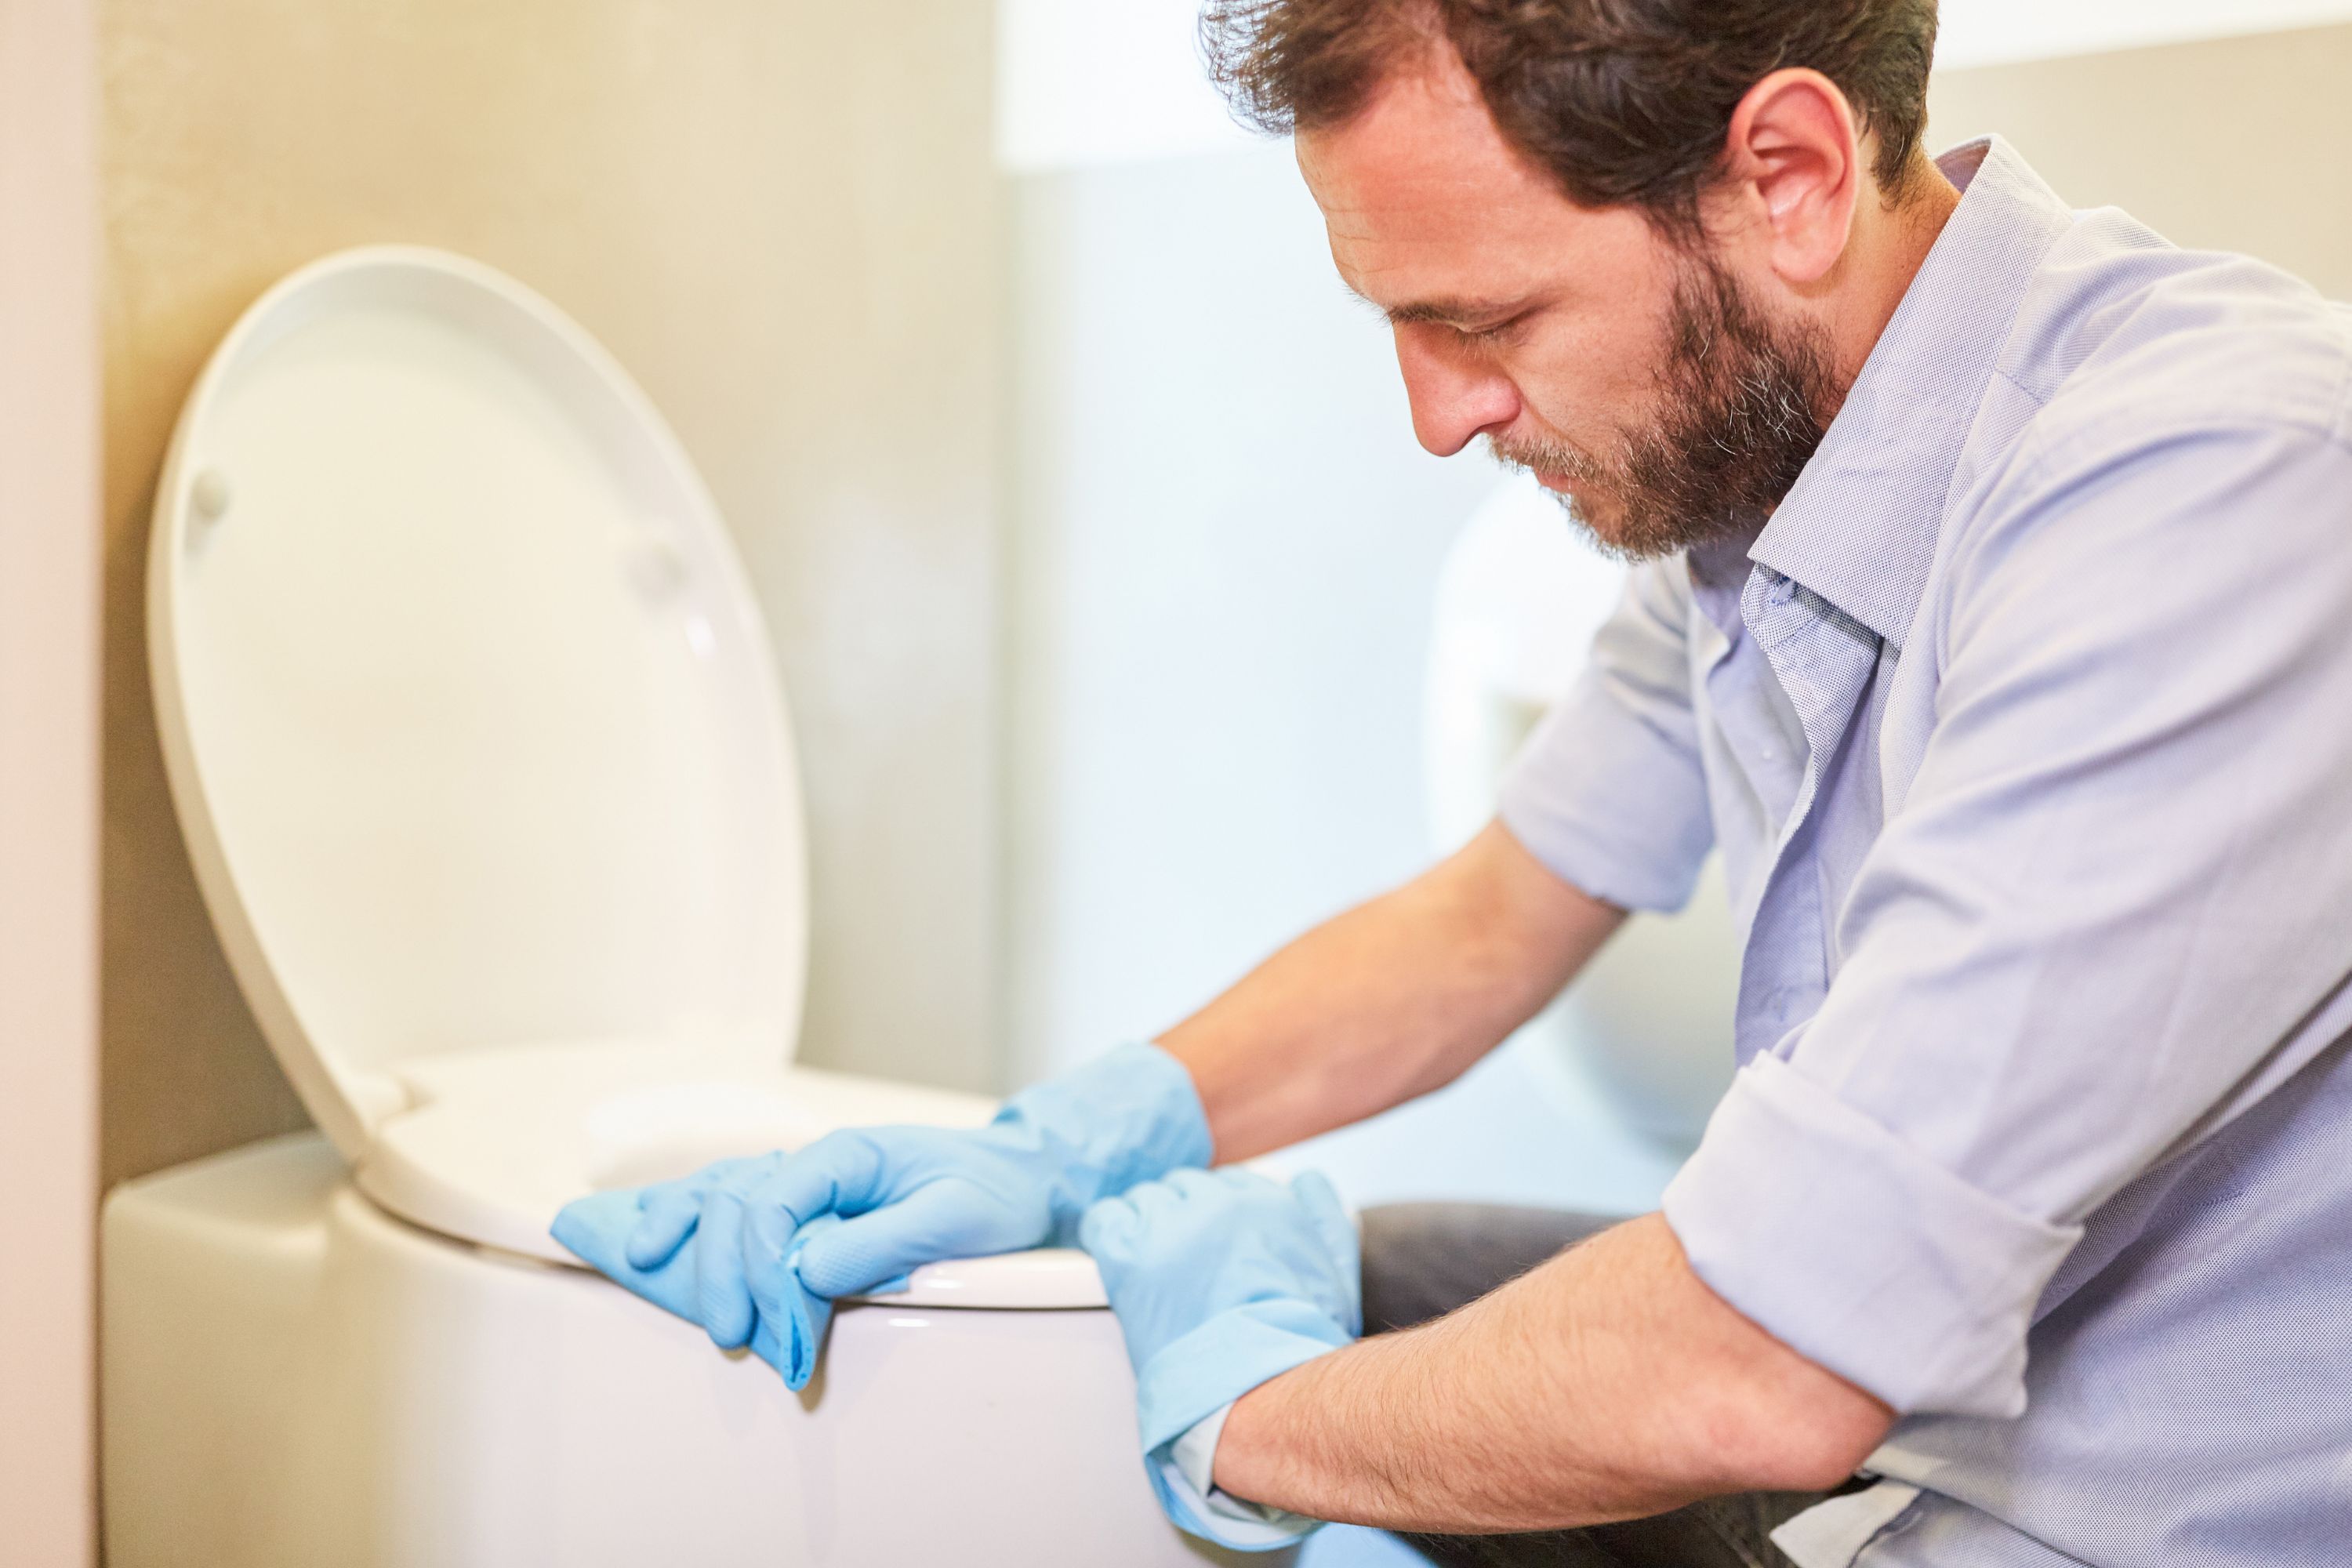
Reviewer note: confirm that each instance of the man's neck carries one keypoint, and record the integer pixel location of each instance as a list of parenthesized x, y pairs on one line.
[(1895, 246)]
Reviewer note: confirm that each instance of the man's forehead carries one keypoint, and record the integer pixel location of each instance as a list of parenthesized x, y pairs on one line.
[(1424, 143), (1430, 213)]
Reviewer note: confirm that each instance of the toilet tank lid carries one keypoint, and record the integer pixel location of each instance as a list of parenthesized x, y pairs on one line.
[(470, 717)]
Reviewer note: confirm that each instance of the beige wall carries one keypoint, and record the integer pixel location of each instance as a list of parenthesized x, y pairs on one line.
[(2237, 144), (48, 774), (780, 216)]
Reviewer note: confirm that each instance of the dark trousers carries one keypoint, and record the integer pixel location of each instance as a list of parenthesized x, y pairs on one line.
[(1422, 1262)]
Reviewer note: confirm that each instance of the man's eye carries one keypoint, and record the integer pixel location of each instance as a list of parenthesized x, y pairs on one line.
[(1500, 332)]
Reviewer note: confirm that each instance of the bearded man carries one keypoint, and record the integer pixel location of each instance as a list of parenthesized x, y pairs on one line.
[(1992, 618)]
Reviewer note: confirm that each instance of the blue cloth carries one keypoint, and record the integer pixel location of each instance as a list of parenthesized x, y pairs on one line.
[(2025, 728), (790, 1331), (1222, 1280)]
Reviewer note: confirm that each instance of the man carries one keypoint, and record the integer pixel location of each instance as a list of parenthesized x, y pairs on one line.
[(1995, 622)]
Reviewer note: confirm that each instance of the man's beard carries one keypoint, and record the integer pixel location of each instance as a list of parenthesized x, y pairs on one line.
[(1743, 406)]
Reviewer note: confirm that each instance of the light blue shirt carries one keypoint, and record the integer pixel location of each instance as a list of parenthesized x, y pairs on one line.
[(2024, 729)]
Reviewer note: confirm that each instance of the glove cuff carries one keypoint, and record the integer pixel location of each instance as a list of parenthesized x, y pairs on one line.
[(1193, 1377), (1130, 1115)]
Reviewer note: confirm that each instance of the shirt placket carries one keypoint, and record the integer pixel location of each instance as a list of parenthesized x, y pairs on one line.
[(1824, 661)]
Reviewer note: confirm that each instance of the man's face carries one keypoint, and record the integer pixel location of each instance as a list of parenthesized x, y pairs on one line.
[(1650, 385)]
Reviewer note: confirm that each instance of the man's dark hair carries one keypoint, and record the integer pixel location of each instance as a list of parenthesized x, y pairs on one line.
[(1625, 102)]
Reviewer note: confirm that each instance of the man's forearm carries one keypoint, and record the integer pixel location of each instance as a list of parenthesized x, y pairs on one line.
[(1610, 1383), (1391, 1000)]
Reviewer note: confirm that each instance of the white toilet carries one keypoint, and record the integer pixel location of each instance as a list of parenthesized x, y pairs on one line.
[(474, 729)]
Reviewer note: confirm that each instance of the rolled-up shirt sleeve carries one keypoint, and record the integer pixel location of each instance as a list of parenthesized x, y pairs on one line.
[(1608, 793), (2113, 911)]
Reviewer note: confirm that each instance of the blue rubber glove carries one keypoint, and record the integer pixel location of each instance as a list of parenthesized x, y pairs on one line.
[(791, 1328), (1222, 1280), (909, 1195)]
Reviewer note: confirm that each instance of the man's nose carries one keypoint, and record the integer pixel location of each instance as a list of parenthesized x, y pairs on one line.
[(1455, 398)]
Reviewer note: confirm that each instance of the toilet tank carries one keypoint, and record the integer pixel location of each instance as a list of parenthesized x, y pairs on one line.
[(291, 1378)]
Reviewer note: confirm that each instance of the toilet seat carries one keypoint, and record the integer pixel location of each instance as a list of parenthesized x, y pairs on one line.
[(473, 727)]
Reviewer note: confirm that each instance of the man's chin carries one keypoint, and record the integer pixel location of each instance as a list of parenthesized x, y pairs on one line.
[(1601, 515), (1615, 529)]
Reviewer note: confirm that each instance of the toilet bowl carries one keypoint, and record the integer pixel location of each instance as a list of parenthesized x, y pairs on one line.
[(475, 735)]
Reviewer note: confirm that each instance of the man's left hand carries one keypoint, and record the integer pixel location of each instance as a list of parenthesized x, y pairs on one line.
[(1222, 1280)]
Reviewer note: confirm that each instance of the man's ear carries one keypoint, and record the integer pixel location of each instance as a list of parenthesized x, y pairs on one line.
[(1794, 160)]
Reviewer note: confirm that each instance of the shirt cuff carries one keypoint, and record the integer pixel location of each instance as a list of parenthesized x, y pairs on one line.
[(1831, 1534), (1858, 1252), (1188, 1468)]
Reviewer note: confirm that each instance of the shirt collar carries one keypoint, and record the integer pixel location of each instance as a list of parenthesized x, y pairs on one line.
[(1859, 525)]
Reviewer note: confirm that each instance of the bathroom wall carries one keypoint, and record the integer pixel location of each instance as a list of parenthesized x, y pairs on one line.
[(786, 229), (49, 774), (1226, 542), (781, 215), (2237, 144)]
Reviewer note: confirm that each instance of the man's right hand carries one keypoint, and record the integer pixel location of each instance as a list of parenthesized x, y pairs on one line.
[(910, 1195)]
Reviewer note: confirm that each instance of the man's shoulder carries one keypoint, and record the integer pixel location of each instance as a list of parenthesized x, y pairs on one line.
[(2124, 340), (2147, 396)]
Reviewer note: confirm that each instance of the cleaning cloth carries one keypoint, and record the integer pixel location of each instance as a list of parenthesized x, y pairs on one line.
[(790, 1325)]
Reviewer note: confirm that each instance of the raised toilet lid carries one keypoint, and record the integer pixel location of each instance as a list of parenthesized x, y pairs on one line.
[(475, 733)]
